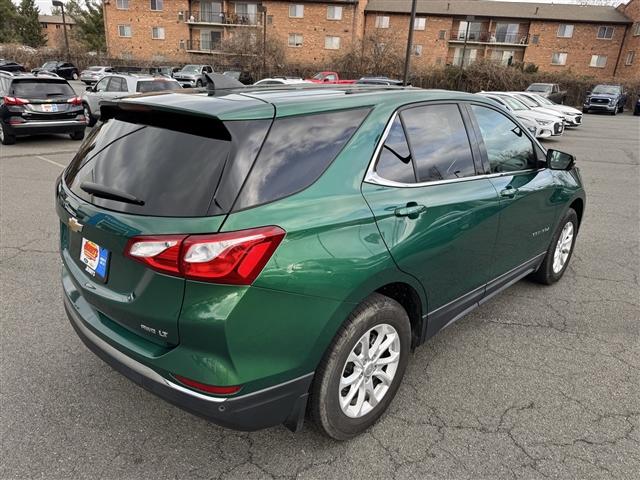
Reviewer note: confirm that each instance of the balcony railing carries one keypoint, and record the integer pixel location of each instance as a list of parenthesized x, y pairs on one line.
[(520, 38), (224, 18), (209, 46)]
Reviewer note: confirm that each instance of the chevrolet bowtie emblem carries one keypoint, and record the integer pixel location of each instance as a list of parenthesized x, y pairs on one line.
[(74, 225)]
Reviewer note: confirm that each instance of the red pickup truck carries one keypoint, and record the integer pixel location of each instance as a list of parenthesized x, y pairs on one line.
[(329, 78)]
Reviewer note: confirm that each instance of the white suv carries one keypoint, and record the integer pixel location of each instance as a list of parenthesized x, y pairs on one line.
[(120, 85)]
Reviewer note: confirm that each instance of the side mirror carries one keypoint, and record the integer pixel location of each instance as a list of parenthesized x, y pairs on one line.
[(559, 160)]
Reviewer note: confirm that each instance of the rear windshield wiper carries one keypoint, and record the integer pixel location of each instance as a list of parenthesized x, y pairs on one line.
[(109, 193)]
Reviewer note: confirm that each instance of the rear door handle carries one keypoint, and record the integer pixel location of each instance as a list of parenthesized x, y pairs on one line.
[(509, 192), (412, 210)]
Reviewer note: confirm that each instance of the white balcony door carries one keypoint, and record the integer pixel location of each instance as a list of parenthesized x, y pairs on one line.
[(247, 12), (211, 12)]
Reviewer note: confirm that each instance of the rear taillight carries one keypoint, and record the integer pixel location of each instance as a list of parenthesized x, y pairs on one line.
[(14, 101), (235, 258), (208, 388), (75, 101)]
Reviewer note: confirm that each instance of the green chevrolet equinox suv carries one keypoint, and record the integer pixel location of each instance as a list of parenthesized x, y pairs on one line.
[(263, 255)]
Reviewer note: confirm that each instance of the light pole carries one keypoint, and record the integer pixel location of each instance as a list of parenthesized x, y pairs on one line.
[(58, 3), (407, 58), (263, 10), (470, 18)]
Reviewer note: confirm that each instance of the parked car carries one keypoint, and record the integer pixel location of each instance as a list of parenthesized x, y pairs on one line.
[(42, 104), (534, 106), (636, 109), (547, 125), (242, 76), (379, 81), (605, 98), (573, 116), (193, 75), (282, 81), (113, 86), (92, 74), (65, 70), (329, 78), (278, 253), (9, 66), (551, 91)]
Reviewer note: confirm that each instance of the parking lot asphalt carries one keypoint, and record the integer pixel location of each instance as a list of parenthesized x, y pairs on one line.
[(539, 382)]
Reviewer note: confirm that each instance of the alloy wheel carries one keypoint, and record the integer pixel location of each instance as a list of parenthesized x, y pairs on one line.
[(87, 114), (563, 247), (369, 370)]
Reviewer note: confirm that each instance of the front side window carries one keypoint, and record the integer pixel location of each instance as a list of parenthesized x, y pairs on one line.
[(156, 5), (296, 11), (295, 40), (332, 43), (101, 86), (439, 142), (420, 23), (508, 148), (394, 161), (565, 31), (382, 21), (157, 33), (124, 30), (559, 59), (334, 12), (598, 61), (296, 153), (605, 32), (117, 84)]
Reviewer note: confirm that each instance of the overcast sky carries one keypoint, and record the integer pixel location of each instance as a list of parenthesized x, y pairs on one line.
[(45, 5)]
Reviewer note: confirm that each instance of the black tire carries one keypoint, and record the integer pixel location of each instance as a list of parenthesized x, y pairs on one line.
[(6, 138), (199, 84), (91, 120), (545, 273), (77, 135), (585, 110), (621, 108), (324, 404)]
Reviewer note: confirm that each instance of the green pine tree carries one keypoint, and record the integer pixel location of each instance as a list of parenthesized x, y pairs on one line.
[(29, 29), (89, 28), (8, 20)]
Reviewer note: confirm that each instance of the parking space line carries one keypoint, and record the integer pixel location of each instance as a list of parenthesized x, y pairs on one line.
[(50, 161)]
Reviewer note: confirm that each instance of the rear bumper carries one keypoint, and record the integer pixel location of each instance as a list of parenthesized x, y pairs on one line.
[(284, 403), (35, 127)]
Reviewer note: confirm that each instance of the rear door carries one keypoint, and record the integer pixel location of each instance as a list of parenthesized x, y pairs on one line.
[(177, 174), (437, 216), (525, 188)]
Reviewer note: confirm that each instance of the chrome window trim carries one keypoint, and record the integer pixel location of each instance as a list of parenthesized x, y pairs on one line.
[(372, 178)]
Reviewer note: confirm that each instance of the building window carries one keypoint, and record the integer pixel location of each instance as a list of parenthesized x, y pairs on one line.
[(269, 19), (559, 59), (442, 34), (157, 33), (420, 23), (334, 12), (296, 11), (535, 39), (598, 61), (122, 4), (630, 57), (565, 31), (181, 45), (295, 40), (417, 50), (331, 43), (636, 29), (605, 33), (124, 30), (382, 21), (156, 5)]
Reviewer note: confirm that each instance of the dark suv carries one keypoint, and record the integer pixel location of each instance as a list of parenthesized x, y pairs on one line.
[(36, 104), (261, 254)]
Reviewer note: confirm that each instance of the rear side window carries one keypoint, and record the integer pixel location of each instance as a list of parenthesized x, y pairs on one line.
[(297, 151), (174, 172), (508, 148), (439, 142), (395, 162), (157, 86), (41, 88)]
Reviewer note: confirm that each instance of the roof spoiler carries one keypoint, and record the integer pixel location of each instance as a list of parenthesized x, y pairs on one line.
[(150, 115), (217, 82)]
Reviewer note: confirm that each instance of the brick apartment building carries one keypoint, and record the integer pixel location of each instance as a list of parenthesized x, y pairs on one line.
[(51, 26), (594, 40)]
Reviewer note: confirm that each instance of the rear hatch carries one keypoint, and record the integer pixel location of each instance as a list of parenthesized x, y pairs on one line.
[(146, 173), (45, 98)]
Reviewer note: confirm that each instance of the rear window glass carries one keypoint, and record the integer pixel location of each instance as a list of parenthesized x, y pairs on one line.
[(157, 86), (174, 173), (297, 151), (41, 88)]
